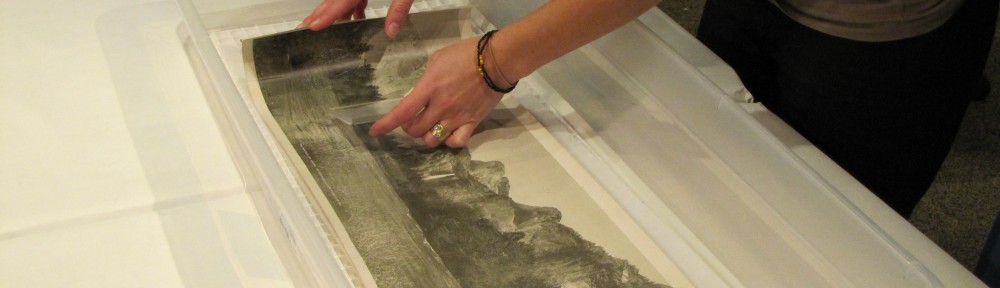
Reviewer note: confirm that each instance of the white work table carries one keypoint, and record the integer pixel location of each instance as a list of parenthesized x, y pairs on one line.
[(115, 171)]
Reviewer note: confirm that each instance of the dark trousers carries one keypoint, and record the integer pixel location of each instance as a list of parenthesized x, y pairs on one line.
[(886, 112), (988, 268)]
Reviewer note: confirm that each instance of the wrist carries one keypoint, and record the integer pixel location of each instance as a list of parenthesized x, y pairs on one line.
[(502, 63), (492, 71)]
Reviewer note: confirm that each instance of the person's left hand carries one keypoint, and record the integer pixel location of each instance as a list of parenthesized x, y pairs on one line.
[(331, 11), (451, 93)]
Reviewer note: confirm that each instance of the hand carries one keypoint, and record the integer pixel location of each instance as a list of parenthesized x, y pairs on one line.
[(451, 92), (331, 11)]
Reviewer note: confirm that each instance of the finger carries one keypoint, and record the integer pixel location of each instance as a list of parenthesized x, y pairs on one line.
[(412, 121), (358, 14), (403, 112), (396, 15), (408, 123), (431, 115), (433, 138), (336, 10), (460, 137), (359, 10), (315, 13)]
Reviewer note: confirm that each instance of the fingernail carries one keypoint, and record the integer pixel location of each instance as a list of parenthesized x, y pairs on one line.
[(393, 30), (301, 25), (314, 24)]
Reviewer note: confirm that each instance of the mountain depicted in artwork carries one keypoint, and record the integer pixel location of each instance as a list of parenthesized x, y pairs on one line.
[(484, 237), (418, 217)]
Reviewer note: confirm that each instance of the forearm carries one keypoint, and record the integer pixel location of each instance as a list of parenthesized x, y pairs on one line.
[(557, 28), (454, 100)]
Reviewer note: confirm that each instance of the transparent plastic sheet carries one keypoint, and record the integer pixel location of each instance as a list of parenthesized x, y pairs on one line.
[(303, 249), (228, 40), (787, 197), (788, 191), (558, 104), (790, 199)]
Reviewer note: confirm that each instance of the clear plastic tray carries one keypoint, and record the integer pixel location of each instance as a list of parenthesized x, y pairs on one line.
[(729, 203)]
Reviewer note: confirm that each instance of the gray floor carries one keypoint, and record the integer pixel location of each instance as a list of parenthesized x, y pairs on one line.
[(960, 207)]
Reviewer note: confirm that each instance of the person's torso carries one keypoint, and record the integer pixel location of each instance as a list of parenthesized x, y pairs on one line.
[(870, 20)]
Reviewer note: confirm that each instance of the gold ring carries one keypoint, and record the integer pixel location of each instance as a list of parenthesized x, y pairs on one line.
[(439, 132)]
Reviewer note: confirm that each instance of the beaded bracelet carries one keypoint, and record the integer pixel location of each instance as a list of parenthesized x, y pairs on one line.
[(480, 49)]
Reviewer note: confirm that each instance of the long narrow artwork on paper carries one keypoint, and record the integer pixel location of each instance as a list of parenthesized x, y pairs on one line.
[(511, 210)]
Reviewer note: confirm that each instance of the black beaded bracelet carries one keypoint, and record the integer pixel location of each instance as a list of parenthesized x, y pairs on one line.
[(480, 49)]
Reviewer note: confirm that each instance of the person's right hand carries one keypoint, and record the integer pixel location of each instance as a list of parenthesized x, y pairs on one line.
[(450, 93), (331, 11)]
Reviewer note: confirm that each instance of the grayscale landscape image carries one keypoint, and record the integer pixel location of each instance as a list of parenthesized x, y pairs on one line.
[(419, 217)]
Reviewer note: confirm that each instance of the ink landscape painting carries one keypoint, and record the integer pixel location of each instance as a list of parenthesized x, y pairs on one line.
[(513, 209)]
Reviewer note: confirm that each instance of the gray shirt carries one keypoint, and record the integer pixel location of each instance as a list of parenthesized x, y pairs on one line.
[(870, 20)]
